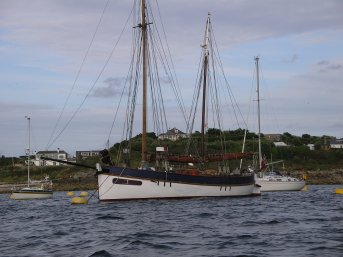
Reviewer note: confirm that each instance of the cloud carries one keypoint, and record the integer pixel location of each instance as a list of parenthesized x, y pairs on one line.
[(326, 66), (321, 63), (293, 59), (114, 87), (43, 44)]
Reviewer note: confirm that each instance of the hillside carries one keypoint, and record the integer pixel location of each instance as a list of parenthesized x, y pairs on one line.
[(321, 166)]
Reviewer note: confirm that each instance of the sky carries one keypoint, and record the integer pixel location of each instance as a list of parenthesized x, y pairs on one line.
[(43, 44)]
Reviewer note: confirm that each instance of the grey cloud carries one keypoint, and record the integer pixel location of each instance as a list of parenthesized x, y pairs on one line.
[(113, 88), (334, 67), (293, 59), (322, 63), (327, 66)]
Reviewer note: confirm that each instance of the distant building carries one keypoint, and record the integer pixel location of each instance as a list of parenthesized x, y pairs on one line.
[(273, 137), (172, 134), (59, 155), (280, 144), (336, 143), (86, 154), (311, 146)]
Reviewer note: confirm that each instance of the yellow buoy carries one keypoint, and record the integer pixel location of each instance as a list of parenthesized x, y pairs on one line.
[(304, 189), (339, 191), (79, 200), (84, 193), (70, 193)]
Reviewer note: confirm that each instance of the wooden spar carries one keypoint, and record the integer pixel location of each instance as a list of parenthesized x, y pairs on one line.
[(203, 113), (144, 60), (67, 162), (208, 158)]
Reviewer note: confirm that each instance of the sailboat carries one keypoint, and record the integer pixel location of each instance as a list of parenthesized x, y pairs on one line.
[(160, 174), (41, 189), (271, 180)]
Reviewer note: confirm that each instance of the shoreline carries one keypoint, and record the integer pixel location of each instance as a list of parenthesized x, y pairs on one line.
[(332, 177)]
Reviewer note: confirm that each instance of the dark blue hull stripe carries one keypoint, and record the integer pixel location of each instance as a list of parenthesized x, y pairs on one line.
[(180, 178)]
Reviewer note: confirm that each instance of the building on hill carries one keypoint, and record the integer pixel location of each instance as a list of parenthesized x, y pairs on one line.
[(86, 154), (273, 137), (336, 143), (172, 134), (280, 144), (59, 155), (311, 146)]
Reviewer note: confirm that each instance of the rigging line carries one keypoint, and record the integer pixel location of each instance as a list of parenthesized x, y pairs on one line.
[(116, 113), (129, 82), (134, 93), (172, 64), (92, 87), (161, 53), (112, 184), (228, 85), (128, 77), (270, 99), (156, 99), (157, 52), (77, 75), (134, 57), (195, 102), (252, 89)]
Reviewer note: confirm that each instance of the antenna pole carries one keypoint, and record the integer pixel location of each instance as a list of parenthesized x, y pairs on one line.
[(258, 112), (28, 152)]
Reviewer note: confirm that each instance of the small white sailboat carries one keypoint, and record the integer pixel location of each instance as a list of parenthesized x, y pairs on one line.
[(41, 189), (272, 180)]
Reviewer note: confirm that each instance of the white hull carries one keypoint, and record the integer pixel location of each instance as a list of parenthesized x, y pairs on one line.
[(27, 195), (267, 185), (108, 191)]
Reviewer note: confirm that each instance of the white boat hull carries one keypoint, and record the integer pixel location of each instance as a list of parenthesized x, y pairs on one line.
[(147, 189), (267, 186), (27, 195)]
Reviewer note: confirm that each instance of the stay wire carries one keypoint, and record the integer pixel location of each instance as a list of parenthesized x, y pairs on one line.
[(77, 76), (95, 82)]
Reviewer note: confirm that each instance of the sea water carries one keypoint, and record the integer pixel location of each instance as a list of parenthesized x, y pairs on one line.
[(273, 224)]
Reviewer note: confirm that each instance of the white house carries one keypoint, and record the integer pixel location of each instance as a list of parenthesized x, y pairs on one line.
[(85, 154), (172, 134), (337, 144), (311, 146), (59, 155), (280, 144)]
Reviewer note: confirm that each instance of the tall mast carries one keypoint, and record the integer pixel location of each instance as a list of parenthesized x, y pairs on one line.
[(258, 112), (204, 88), (28, 152), (144, 60)]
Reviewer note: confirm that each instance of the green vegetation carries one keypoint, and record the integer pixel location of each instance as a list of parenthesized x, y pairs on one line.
[(297, 156)]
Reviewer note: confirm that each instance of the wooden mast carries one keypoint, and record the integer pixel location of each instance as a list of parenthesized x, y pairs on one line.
[(144, 63), (204, 88)]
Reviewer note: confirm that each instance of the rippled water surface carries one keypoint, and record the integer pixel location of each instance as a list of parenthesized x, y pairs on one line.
[(274, 224)]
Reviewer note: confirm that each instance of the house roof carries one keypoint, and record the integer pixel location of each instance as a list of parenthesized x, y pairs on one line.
[(50, 152), (173, 131), (280, 144)]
